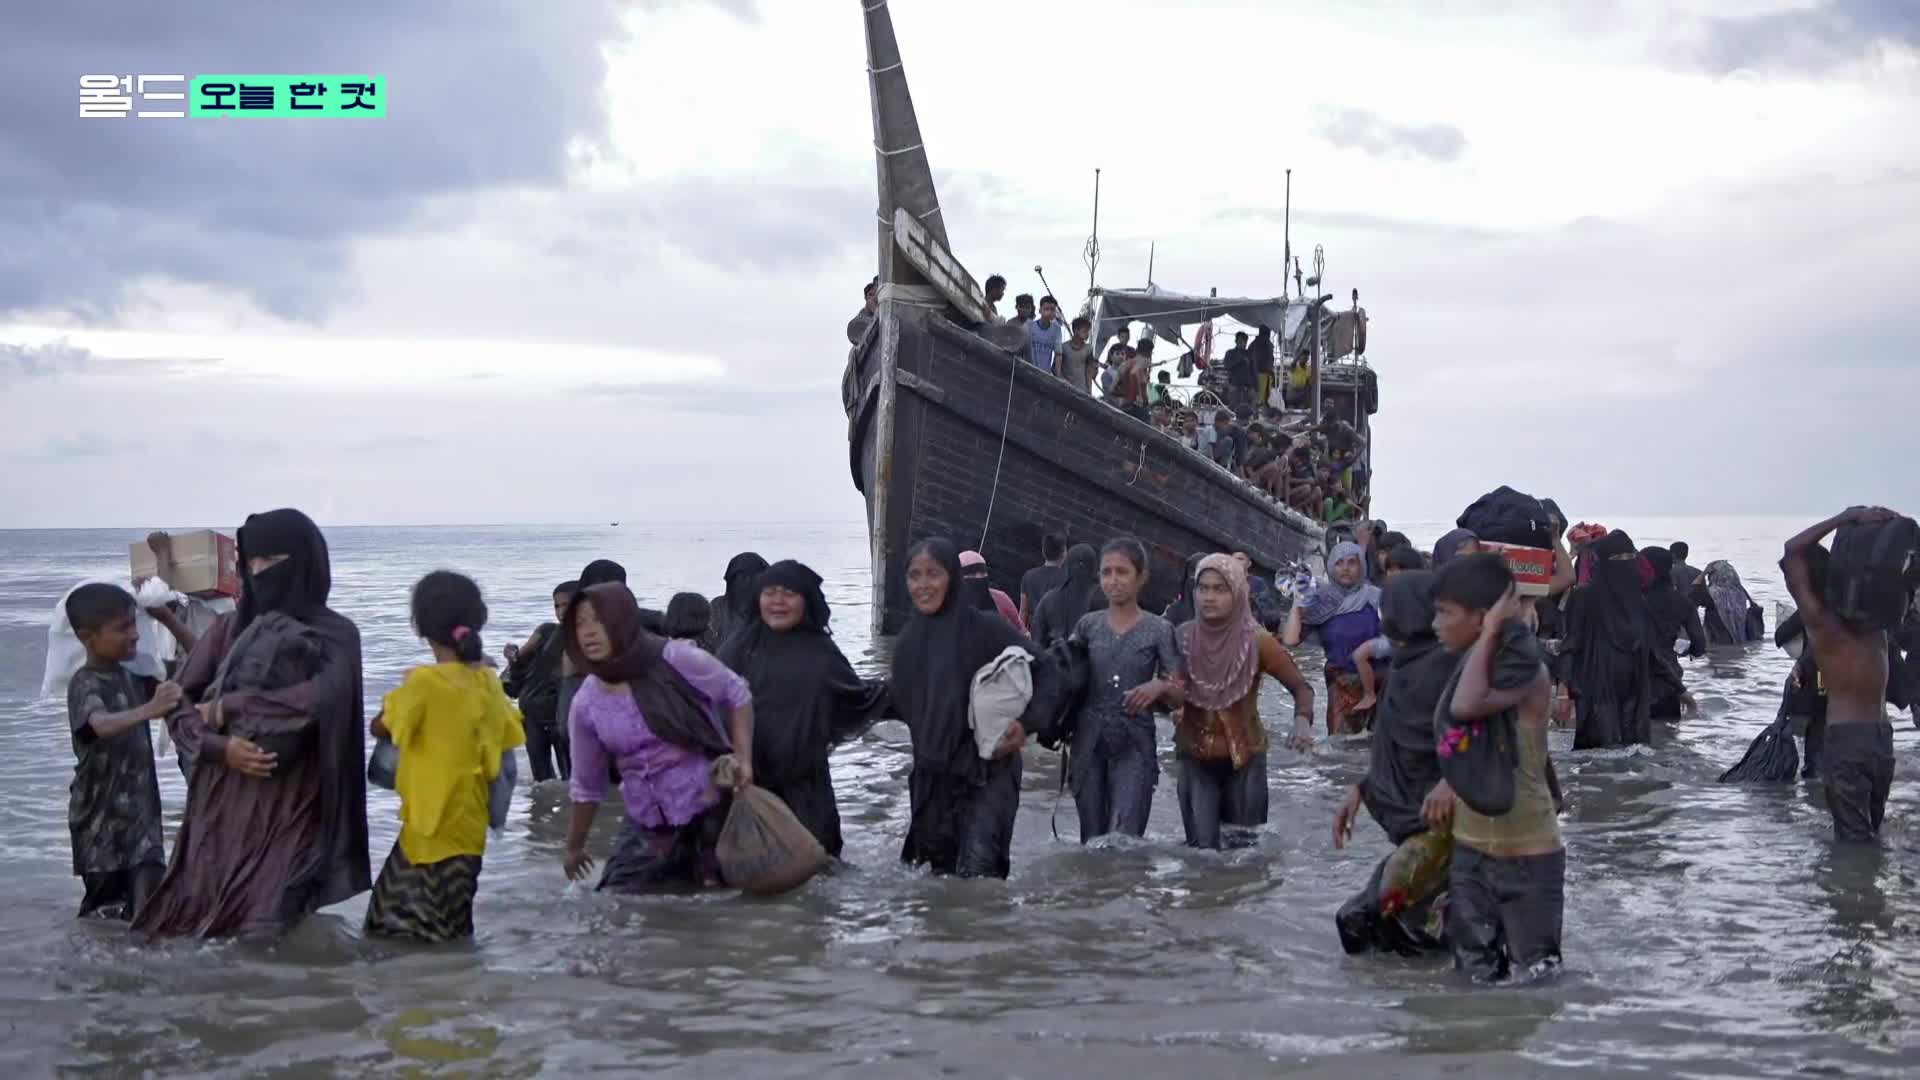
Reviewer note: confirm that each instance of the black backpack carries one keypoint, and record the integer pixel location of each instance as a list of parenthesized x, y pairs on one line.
[(1060, 678), (1477, 757), (1867, 580), (1506, 516)]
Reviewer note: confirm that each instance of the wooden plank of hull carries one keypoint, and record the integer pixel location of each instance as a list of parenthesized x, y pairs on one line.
[(1070, 464)]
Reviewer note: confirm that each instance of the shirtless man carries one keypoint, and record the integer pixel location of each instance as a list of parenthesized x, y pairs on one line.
[(1853, 666)]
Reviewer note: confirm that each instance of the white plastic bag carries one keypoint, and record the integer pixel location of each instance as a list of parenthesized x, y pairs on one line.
[(65, 654)]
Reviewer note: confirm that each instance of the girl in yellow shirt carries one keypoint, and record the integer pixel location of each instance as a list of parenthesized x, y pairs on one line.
[(452, 724)]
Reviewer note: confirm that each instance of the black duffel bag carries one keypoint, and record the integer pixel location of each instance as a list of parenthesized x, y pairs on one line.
[(1506, 516), (1867, 582)]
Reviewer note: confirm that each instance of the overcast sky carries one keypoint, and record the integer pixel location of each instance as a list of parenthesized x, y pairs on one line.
[(597, 260)]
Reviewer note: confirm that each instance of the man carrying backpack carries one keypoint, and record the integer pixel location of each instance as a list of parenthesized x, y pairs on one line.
[(1851, 652)]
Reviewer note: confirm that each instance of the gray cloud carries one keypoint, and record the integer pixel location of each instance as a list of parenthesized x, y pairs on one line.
[(1813, 39), (1347, 127), (481, 95), (43, 361), (59, 359)]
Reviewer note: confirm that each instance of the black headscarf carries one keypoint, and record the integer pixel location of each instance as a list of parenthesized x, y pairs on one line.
[(602, 571), (806, 698), (1617, 602), (934, 662), (795, 577), (1063, 608), (737, 610), (336, 866), (743, 590), (1403, 766), (1662, 562), (299, 584), (674, 711), (1181, 612)]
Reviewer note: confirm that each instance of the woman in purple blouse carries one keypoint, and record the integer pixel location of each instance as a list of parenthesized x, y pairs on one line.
[(655, 708)]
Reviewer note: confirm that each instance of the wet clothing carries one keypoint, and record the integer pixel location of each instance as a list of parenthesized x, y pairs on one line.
[(666, 858), (962, 806), (113, 804), (1673, 616), (662, 783), (451, 724), (1859, 776), (428, 904), (1732, 618), (1611, 645), (1504, 914), (1345, 692), (253, 856), (653, 711), (1114, 763), (534, 680), (1403, 767), (806, 700), (1215, 793)]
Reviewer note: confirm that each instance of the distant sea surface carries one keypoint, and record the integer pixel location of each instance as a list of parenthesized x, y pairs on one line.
[(1711, 931)]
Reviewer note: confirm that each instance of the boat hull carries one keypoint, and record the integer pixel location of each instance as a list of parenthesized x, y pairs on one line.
[(951, 435)]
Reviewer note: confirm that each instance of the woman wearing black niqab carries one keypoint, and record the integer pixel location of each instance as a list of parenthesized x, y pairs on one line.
[(1610, 645), (962, 805), (806, 697), (1060, 611), (739, 606), (265, 841)]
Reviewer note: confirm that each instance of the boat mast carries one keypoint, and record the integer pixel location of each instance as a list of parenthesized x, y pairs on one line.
[(900, 158), (1286, 238), (1093, 242)]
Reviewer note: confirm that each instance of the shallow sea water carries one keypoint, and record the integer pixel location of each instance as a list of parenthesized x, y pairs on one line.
[(1710, 930)]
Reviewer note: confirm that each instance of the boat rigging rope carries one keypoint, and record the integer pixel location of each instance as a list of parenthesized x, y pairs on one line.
[(1006, 421)]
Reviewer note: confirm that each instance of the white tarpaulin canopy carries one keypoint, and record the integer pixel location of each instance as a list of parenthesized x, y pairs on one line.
[(1168, 312)]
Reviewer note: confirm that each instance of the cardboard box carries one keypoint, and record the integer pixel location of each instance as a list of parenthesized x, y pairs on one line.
[(205, 563), (1532, 567)]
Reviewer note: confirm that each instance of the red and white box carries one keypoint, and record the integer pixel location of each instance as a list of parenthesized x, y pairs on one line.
[(1532, 567)]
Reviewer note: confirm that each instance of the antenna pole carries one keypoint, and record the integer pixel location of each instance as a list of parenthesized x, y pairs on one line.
[(1093, 242), (1286, 237), (1150, 247)]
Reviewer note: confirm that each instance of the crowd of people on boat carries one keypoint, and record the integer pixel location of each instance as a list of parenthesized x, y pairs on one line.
[(1316, 467), (1437, 655)]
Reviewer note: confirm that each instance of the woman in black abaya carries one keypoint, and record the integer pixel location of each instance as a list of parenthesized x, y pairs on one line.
[(739, 607), (1612, 670), (806, 697), (1060, 611), (267, 838), (962, 805)]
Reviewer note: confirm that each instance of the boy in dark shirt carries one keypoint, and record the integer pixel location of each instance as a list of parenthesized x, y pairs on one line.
[(1508, 878), (113, 809)]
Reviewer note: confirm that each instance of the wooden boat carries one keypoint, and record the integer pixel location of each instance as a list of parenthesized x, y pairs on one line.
[(951, 433)]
